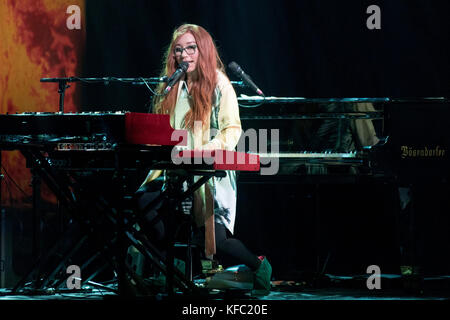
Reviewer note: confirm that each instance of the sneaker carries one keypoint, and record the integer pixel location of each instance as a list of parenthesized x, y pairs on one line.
[(235, 277), (262, 276)]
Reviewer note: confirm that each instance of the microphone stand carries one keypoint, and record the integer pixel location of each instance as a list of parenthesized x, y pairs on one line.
[(62, 83), (62, 86)]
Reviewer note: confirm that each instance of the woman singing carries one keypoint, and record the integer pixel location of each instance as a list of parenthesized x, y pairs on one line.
[(204, 102)]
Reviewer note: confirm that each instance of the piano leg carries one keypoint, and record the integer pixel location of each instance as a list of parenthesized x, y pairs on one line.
[(410, 242)]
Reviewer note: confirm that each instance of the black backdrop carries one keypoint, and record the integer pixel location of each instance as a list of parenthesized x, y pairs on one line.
[(309, 48)]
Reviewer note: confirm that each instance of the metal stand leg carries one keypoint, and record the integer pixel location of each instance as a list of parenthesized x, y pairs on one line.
[(37, 218)]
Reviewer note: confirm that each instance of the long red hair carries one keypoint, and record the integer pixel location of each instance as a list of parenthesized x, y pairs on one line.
[(202, 90)]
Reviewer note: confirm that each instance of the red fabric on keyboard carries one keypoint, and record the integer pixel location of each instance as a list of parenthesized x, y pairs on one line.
[(155, 129)]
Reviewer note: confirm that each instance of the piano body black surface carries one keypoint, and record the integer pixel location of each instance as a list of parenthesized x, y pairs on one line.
[(417, 141), (39, 127)]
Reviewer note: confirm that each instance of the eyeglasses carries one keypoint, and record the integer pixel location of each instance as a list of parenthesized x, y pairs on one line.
[(190, 50)]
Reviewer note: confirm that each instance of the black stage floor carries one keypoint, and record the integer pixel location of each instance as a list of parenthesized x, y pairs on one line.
[(349, 298), (393, 287)]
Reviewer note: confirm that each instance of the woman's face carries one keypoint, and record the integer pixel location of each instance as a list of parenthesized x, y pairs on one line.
[(185, 49)]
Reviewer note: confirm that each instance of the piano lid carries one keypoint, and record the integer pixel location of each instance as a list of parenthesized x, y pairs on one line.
[(324, 124), (259, 99)]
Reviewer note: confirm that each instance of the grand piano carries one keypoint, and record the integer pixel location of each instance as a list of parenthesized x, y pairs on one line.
[(354, 173)]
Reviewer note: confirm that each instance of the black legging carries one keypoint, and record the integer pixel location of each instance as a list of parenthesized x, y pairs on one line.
[(230, 251)]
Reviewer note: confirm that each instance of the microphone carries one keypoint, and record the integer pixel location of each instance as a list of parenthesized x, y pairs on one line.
[(241, 74), (176, 76)]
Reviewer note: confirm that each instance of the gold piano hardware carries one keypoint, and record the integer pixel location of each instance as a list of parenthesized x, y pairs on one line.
[(409, 152)]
